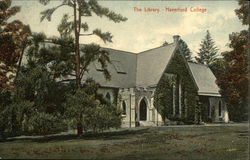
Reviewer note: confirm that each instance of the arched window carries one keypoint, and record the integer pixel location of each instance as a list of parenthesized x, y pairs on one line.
[(108, 97), (219, 108), (143, 110), (124, 108)]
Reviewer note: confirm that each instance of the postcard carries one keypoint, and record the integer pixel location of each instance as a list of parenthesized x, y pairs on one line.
[(89, 79)]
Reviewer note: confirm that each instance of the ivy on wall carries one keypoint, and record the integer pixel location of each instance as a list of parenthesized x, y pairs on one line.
[(163, 97), (176, 72)]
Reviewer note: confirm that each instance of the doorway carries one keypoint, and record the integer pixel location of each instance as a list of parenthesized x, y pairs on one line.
[(143, 110)]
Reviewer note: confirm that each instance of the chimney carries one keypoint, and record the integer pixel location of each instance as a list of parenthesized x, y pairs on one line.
[(176, 38)]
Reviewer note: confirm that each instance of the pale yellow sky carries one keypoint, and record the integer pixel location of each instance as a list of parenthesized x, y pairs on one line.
[(145, 30)]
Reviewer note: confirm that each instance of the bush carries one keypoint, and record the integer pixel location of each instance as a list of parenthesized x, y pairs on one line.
[(238, 113), (88, 111), (5, 100), (103, 117), (43, 123), (181, 120)]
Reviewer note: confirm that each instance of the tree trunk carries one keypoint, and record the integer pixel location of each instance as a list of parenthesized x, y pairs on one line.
[(19, 63), (77, 52), (79, 129)]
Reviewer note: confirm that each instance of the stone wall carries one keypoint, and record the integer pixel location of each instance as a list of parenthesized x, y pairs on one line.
[(132, 98), (128, 96)]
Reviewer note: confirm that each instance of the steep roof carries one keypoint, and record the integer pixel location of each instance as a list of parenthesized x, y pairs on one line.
[(152, 63), (133, 70), (122, 70), (145, 69), (204, 79)]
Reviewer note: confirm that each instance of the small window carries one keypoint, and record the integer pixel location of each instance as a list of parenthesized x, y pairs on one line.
[(219, 108), (98, 66), (118, 66), (123, 108)]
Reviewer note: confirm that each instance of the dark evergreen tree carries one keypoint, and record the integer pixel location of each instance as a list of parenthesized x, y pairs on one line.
[(185, 50), (208, 52), (183, 47)]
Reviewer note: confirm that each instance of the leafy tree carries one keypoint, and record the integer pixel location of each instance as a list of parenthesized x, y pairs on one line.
[(233, 82), (85, 54), (13, 37), (5, 100), (35, 92), (208, 52), (243, 11), (218, 66)]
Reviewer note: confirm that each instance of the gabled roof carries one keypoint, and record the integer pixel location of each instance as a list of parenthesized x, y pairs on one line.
[(134, 70), (145, 69), (152, 63), (204, 79)]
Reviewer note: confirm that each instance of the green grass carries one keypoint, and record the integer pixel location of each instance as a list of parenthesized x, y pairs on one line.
[(215, 143)]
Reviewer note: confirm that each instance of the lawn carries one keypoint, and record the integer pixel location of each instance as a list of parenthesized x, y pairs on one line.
[(207, 142)]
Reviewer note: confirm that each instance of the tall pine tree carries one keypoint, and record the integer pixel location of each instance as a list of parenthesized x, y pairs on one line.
[(208, 52), (84, 54), (82, 8)]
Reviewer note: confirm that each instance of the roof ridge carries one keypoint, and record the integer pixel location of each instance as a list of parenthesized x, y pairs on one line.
[(120, 50), (155, 48), (112, 49)]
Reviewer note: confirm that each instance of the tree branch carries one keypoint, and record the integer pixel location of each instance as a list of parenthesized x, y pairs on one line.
[(48, 41), (86, 34), (66, 80)]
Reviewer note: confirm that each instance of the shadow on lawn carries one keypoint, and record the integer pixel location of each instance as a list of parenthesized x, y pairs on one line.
[(242, 133), (110, 135)]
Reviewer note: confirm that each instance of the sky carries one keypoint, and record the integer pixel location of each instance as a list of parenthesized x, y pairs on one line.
[(145, 30)]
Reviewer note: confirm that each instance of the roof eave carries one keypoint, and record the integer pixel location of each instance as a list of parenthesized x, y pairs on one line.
[(209, 94)]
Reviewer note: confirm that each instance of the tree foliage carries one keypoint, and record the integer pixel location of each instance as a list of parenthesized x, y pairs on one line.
[(84, 54), (68, 26), (183, 47), (243, 11), (13, 37), (208, 52), (87, 110), (233, 81)]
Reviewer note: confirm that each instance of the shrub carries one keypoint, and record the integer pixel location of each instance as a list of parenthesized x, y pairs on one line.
[(5, 100), (103, 117), (43, 123), (88, 111)]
